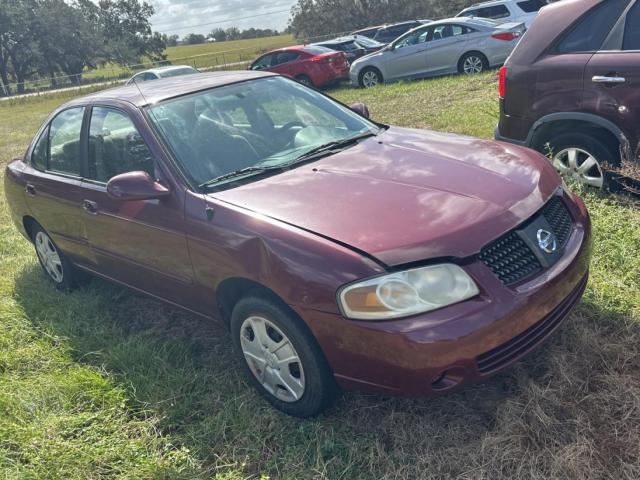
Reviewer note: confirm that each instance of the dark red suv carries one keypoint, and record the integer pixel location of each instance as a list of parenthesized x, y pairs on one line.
[(572, 87)]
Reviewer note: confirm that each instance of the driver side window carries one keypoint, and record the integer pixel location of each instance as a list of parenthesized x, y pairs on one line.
[(262, 63), (115, 146), (415, 38)]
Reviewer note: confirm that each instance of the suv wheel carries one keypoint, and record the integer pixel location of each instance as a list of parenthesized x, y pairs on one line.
[(281, 358), (583, 158), (370, 77), (472, 63)]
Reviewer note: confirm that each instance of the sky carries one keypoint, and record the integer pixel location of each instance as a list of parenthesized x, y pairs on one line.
[(182, 17)]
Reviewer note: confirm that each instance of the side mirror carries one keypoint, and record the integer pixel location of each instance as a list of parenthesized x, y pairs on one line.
[(360, 108), (132, 186)]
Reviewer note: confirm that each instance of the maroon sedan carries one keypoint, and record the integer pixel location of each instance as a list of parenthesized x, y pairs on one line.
[(311, 65), (340, 252)]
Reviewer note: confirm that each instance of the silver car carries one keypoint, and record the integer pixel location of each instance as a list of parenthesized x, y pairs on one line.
[(454, 45), (162, 72)]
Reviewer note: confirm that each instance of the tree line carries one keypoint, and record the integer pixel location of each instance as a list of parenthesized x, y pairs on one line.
[(49, 38), (314, 18), (224, 35)]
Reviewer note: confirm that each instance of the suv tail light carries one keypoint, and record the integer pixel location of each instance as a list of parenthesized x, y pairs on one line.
[(502, 82), (507, 36)]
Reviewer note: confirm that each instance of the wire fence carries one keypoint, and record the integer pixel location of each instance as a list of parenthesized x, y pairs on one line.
[(208, 61)]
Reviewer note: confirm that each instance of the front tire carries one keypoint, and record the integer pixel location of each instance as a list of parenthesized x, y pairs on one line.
[(370, 77), (58, 269), (583, 157), (281, 358), (473, 63)]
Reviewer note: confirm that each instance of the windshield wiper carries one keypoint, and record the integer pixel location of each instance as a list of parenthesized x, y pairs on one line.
[(310, 155), (243, 172), (331, 147)]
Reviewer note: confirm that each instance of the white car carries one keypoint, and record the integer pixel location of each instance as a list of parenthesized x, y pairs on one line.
[(162, 72), (506, 10)]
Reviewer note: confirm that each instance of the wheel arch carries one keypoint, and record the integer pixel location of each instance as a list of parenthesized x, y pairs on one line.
[(28, 223), (477, 52), (231, 290), (370, 67), (577, 122)]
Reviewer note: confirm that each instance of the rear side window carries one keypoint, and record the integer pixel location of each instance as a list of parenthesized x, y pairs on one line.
[(64, 142), (592, 29), (531, 6), (632, 29), (286, 57)]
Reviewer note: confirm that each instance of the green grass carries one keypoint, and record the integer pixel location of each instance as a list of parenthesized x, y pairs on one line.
[(103, 383), (205, 55)]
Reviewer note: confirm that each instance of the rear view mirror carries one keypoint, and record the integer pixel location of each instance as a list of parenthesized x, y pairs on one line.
[(360, 108), (133, 186)]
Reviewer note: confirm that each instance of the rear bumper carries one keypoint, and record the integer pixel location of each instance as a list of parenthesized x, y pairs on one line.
[(463, 344), (498, 136)]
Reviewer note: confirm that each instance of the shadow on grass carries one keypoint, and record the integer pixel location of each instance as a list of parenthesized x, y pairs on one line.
[(180, 368)]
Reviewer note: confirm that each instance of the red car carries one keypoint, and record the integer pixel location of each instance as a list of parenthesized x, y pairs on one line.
[(339, 252), (311, 65)]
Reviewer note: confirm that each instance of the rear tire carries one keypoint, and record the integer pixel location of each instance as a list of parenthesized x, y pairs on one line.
[(280, 357), (370, 77), (305, 80), (472, 63), (57, 267), (584, 158)]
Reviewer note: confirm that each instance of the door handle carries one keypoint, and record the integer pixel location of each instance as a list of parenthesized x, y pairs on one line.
[(605, 79), (31, 190), (90, 207)]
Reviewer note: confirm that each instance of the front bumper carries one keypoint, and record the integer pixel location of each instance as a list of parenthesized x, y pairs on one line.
[(463, 344)]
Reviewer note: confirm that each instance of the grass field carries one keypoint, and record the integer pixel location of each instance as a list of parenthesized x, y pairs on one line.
[(205, 55), (103, 383)]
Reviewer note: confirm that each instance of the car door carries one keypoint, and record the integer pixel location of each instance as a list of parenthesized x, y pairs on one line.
[(408, 55), (445, 49), (53, 177), (612, 77), (139, 243), (285, 64)]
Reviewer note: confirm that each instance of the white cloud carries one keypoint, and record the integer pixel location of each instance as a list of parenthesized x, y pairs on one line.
[(190, 16)]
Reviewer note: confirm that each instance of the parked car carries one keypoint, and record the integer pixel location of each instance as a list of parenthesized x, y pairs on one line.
[(506, 10), (388, 33), (368, 32), (458, 45), (353, 46), (162, 72), (338, 251), (571, 87), (309, 64)]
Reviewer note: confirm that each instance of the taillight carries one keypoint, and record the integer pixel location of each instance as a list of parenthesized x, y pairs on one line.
[(508, 36), (502, 82), (323, 59)]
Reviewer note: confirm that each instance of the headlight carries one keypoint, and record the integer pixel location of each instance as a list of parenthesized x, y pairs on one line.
[(406, 293)]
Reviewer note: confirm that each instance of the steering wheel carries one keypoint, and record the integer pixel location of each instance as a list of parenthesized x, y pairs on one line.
[(286, 131)]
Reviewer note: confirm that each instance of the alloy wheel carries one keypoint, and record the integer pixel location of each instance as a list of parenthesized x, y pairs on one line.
[(472, 65), (272, 359), (49, 257), (370, 79), (580, 165)]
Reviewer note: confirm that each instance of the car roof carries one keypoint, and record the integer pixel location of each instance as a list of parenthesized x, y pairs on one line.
[(336, 41), (164, 69), (488, 4), (474, 21), (147, 93)]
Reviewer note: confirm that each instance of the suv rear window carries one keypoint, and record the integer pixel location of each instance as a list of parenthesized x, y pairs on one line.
[(531, 6), (592, 29), (497, 11)]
